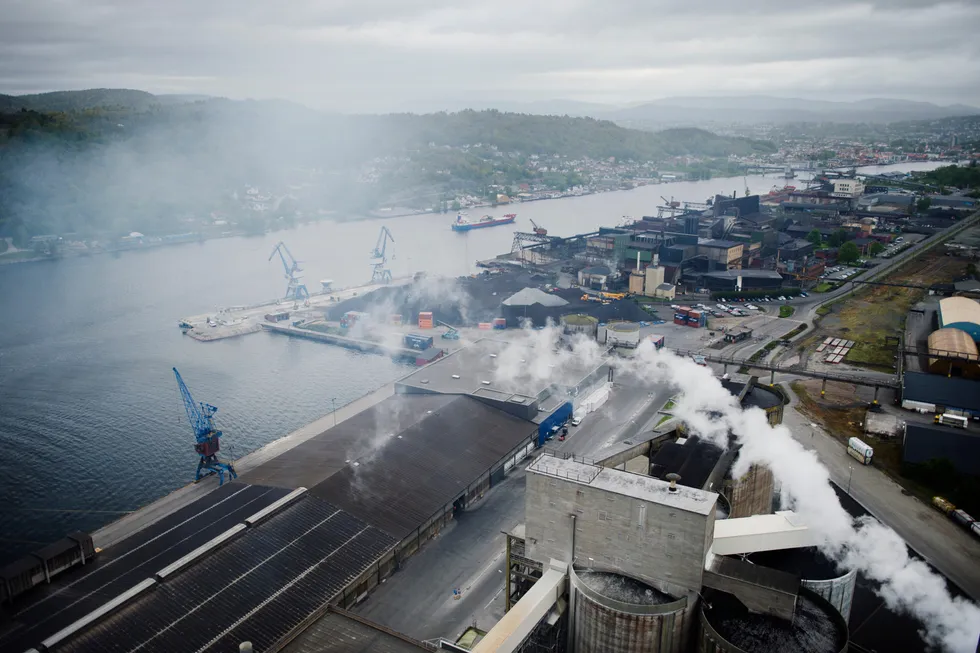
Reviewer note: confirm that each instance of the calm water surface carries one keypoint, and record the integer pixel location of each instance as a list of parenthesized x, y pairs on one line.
[(91, 423)]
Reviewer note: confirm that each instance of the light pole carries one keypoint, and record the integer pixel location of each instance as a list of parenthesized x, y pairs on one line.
[(333, 400)]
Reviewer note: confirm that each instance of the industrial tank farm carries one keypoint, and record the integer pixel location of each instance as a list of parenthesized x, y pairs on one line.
[(727, 626), (613, 613)]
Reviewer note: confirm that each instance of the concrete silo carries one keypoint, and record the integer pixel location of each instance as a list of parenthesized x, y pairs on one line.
[(727, 626), (578, 323), (613, 613)]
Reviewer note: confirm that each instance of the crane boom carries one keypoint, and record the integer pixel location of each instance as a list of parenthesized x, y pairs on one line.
[(379, 257), (201, 417), (295, 288)]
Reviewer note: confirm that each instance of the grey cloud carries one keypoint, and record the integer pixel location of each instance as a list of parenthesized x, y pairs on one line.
[(364, 55)]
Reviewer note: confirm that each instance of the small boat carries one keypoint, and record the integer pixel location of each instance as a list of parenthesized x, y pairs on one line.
[(463, 224)]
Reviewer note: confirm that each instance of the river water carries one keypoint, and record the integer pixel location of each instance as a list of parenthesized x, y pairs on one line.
[(91, 422)]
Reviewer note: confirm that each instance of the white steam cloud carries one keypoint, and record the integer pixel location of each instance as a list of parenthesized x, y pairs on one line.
[(865, 544)]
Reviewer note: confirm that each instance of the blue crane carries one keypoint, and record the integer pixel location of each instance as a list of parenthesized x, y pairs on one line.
[(295, 288), (201, 417), (379, 257)]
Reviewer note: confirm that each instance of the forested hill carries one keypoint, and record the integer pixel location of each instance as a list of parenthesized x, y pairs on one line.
[(101, 160)]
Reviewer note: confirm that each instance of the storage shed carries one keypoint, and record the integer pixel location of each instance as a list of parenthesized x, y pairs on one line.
[(960, 313)]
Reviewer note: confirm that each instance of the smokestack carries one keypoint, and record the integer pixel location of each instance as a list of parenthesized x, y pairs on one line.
[(637, 261), (673, 478)]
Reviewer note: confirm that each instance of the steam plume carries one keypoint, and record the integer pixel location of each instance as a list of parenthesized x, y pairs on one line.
[(866, 545)]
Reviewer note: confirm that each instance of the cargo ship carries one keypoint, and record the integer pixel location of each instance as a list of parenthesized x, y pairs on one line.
[(462, 224)]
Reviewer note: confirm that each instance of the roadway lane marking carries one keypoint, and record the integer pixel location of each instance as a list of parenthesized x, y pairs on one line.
[(487, 606)]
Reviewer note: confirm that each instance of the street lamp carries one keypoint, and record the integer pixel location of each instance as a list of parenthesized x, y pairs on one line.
[(333, 400)]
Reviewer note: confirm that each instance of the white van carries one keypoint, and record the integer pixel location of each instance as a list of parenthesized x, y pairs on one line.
[(578, 416)]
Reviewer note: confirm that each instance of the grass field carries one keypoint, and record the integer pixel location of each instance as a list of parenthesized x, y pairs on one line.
[(662, 420), (870, 316), (823, 286), (786, 310)]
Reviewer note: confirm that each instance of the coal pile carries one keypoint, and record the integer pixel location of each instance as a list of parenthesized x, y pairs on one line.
[(465, 301), (623, 588), (816, 626)]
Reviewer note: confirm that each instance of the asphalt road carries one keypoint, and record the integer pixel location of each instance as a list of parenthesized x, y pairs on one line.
[(951, 550)]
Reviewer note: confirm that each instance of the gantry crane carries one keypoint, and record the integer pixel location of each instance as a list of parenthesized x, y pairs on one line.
[(295, 288), (201, 417), (379, 257)]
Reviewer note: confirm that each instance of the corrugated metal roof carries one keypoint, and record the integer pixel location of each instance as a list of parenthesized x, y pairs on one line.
[(412, 474), (339, 631), (256, 588), (314, 460), (952, 392), (77, 592)]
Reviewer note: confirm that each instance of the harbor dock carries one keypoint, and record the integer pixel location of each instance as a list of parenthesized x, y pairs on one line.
[(234, 321)]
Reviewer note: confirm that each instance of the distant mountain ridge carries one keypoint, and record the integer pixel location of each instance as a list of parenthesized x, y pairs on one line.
[(691, 111), (757, 109)]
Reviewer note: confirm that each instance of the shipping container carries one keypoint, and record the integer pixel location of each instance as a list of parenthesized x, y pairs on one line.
[(658, 341), (684, 310), (943, 505), (679, 317), (962, 518), (425, 320), (281, 316), (499, 323), (414, 341), (860, 451), (485, 326)]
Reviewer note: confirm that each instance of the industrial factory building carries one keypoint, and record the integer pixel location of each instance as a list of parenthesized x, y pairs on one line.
[(741, 280), (652, 565), (925, 442), (960, 313), (937, 394), (321, 523)]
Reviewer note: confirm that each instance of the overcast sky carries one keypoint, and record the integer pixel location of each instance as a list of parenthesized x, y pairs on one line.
[(380, 55)]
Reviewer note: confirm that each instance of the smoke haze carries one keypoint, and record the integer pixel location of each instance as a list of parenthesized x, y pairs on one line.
[(710, 411)]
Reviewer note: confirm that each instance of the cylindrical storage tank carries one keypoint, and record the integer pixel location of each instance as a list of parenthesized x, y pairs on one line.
[(578, 323), (817, 572), (623, 334), (726, 626), (613, 613)]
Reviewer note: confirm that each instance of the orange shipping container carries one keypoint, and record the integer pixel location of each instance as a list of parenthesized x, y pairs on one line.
[(485, 326)]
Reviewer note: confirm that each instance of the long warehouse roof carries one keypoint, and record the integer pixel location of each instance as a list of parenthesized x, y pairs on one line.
[(257, 588)]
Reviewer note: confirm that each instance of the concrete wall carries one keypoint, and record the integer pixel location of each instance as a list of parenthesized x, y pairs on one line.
[(751, 494), (652, 542)]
